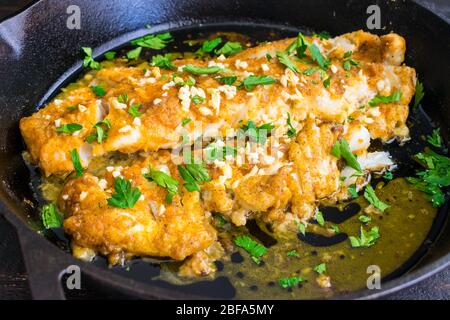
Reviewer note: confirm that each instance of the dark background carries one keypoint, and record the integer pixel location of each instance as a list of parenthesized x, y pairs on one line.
[(13, 276)]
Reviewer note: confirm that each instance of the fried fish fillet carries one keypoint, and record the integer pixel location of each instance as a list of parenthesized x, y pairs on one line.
[(165, 100)]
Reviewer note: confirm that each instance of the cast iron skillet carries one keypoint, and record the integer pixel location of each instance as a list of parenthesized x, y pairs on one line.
[(38, 54)]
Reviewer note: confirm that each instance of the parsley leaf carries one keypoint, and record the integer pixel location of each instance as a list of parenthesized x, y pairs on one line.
[(388, 175), (371, 196), (301, 227), (317, 56), (420, 93), (185, 121), (290, 282), (69, 128), (310, 71), (320, 268), (255, 134), (364, 219), (214, 152), (134, 110), (341, 149), (229, 80), (435, 138), (319, 218), (89, 61), (100, 133), (284, 59), (51, 217), (192, 174), (292, 253), (125, 196), (98, 90), (76, 162), (436, 176), (110, 55), (322, 35), (163, 61), (394, 97), (255, 249), (352, 190), (197, 99), (299, 44), (208, 46), (152, 41), (230, 48), (201, 70), (163, 180), (251, 81), (123, 98), (366, 238), (134, 54), (291, 130), (348, 62)]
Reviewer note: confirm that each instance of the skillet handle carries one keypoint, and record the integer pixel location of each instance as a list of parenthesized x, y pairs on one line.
[(44, 270)]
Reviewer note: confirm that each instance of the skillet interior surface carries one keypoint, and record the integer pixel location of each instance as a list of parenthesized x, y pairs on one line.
[(32, 94)]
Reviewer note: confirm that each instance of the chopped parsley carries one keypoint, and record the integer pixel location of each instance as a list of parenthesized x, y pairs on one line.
[(394, 97), (252, 81), (284, 59), (163, 61), (301, 227), (230, 48), (327, 82), (123, 98), (388, 175), (192, 174), (256, 134), (229, 80), (72, 108), (125, 196), (322, 35), (134, 110), (335, 229), (152, 41), (299, 45), (89, 61), (320, 268), (366, 238), (51, 217), (319, 218), (348, 61), (352, 190), (134, 54), (371, 196), (197, 99), (201, 70), (291, 130), (213, 152), (435, 176), (185, 121), (165, 181), (420, 93), (317, 56), (76, 162), (364, 219), (254, 249), (98, 91), (110, 55), (100, 133), (341, 149), (69, 128), (292, 253), (290, 282), (208, 46), (435, 138), (310, 71)]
